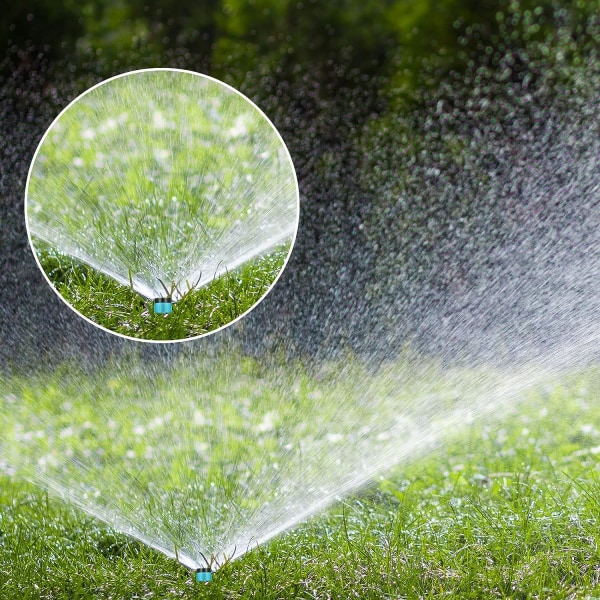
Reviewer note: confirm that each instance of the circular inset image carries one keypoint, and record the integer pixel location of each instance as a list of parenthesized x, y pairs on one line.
[(162, 205)]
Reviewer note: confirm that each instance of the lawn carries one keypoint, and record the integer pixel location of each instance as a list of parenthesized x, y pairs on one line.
[(506, 507), (120, 309)]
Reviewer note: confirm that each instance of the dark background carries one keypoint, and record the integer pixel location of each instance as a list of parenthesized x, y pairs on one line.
[(349, 85)]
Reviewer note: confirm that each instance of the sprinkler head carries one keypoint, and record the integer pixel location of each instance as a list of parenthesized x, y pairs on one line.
[(163, 306), (204, 574)]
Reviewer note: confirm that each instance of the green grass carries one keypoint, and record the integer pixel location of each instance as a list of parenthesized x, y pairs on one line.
[(120, 309), (509, 509)]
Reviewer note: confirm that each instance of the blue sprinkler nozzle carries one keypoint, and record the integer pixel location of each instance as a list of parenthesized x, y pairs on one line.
[(163, 306), (204, 574)]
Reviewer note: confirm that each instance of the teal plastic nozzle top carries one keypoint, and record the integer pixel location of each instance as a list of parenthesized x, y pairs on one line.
[(163, 306), (203, 574)]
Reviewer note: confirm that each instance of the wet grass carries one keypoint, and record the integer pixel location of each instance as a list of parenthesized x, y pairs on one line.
[(121, 310), (508, 510)]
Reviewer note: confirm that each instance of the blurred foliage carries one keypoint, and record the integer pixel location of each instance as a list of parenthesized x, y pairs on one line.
[(200, 311), (388, 50), (333, 66), (291, 38)]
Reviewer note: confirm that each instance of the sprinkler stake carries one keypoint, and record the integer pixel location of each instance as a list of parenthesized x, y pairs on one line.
[(163, 306), (204, 574)]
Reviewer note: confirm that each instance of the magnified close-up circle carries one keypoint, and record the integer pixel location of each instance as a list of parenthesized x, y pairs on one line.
[(162, 205)]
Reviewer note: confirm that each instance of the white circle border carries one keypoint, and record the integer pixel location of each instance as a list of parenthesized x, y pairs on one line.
[(292, 243)]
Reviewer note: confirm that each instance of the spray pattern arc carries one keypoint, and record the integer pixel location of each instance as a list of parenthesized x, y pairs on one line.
[(162, 176)]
